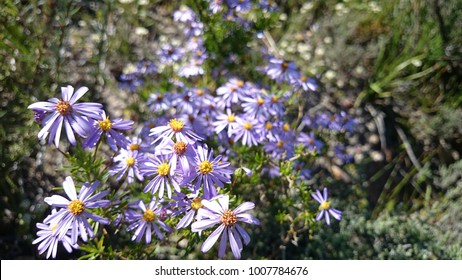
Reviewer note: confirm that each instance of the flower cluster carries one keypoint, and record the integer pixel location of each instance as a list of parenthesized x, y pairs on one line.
[(172, 178), (86, 119)]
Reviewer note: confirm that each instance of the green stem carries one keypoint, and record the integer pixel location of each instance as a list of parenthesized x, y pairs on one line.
[(97, 147)]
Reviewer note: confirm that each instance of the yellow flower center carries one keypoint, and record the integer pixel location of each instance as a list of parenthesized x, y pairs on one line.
[(280, 144), (149, 215), (205, 167), (260, 101), (196, 203), (269, 126), (176, 125), (76, 207), (240, 83), (64, 108), (105, 124), (180, 148), (303, 79), (130, 161), (231, 118), (248, 126), (324, 205), (163, 169), (284, 65), (199, 92), (134, 147), (286, 127), (274, 99), (228, 218)]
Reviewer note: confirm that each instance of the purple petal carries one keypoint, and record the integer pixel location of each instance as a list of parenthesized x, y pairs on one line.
[(49, 121), (247, 218), (57, 201), (142, 206), (210, 241), (158, 232), (83, 232), (335, 213), (139, 231), (69, 132), (317, 196), (74, 231), (326, 215), (186, 220), (80, 125), (244, 207), (213, 206), (96, 218), (223, 243), (243, 233), (78, 94), (69, 188), (148, 234), (89, 109), (224, 202), (235, 245), (204, 224), (320, 214), (43, 105), (66, 92)]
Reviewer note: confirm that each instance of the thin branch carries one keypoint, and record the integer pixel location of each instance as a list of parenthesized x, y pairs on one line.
[(408, 148)]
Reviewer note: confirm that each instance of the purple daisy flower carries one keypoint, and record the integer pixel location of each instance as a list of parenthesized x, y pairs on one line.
[(128, 162), (270, 129), (175, 128), (39, 115), (184, 14), (193, 68), (158, 102), (231, 92), (304, 83), (73, 214), (225, 120), (282, 70), (325, 208), (255, 106), (104, 125), (193, 29), (217, 212), (310, 142), (164, 176), (187, 205), (66, 111), (342, 154), (249, 130), (276, 105), (240, 5), (210, 172), (147, 222), (49, 240), (146, 67), (215, 6), (170, 54), (179, 154), (280, 148)]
